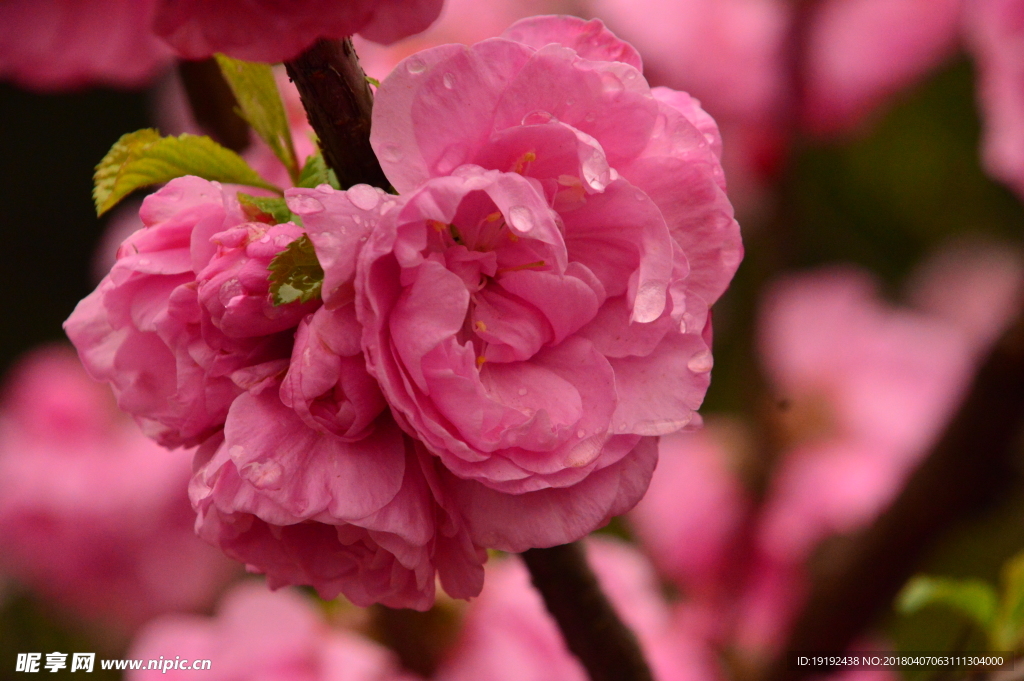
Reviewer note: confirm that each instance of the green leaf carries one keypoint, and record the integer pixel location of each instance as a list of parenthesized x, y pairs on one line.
[(272, 210), (144, 158), (372, 81), (316, 172), (295, 273), (973, 598), (256, 91), (1009, 625)]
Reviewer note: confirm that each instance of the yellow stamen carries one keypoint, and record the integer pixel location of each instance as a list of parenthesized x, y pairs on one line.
[(480, 361), (524, 160), (437, 225), (479, 325), (493, 217), (516, 268)]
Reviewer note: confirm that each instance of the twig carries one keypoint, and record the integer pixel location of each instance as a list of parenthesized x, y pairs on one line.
[(338, 102), (213, 104), (592, 629), (969, 469)]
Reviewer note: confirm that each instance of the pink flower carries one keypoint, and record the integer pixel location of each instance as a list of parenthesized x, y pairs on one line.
[(508, 634), (537, 301), (262, 30), (173, 327), (693, 511), (93, 515), (261, 635), (67, 44), (995, 33), (861, 52), (312, 481)]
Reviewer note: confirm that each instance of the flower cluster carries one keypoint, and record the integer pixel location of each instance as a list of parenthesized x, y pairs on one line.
[(493, 351)]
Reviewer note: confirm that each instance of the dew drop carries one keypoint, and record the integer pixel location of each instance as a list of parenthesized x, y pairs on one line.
[(589, 118), (391, 153), (144, 261), (415, 65), (611, 83), (282, 241), (701, 362), (650, 301), (305, 205), (581, 433), (523, 391), (570, 102), (448, 80), (265, 239), (538, 117), (452, 158), (364, 196), (325, 188), (265, 475), (521, 218)]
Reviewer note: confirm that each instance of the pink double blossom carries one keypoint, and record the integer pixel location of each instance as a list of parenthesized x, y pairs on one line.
[(261, 635), (93, 514), (536, 302)]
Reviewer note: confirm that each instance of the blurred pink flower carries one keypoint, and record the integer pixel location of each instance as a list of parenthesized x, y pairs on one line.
[(93, 514), (67, 44), (509, 635), (995, 34), (693, 511), (262, 636), (862, 52), (267, 31), (566, 335)]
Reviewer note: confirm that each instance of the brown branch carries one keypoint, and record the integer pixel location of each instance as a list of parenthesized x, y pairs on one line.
[(213, 104), (420, 639), (338, 102), (969, 469), (592, 629)]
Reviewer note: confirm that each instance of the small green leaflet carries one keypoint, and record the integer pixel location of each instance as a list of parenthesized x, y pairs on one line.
[(272, 210), (295, 273), (256, 91), (1008, 628), (974, 598), (144, 158), (316, 173), (372, 81)]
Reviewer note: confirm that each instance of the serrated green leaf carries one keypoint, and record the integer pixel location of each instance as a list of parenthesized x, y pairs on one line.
[(973, 598), (295, 273), (260, 105), (272, 210), (1008, 630), (144, 158), (314, 173)]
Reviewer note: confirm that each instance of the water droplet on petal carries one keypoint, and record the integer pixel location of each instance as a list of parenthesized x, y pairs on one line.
[(701, 362), (144, 261), (521, 218), (611, 83), (449, 80), (391, 153), (304, 205), (363, 196), (266, 475), (415, 65), (650, 301), (589, 118), (325, 188), (523, 391), (581, 433), (538, 117), (265, 239)]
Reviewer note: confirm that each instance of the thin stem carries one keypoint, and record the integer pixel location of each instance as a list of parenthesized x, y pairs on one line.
[(592, 629), (338, 102), (969, 469), (213, 104)]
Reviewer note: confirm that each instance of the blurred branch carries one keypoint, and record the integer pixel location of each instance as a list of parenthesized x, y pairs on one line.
[(969, 468), (213, 104), (592, 629), (420, 639), (338, 102)]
